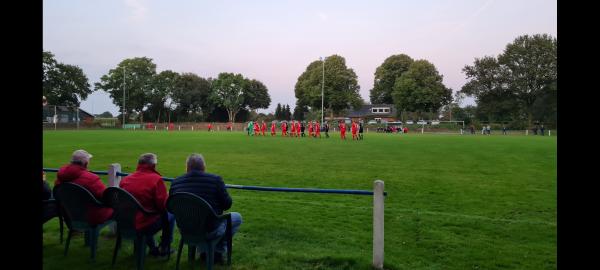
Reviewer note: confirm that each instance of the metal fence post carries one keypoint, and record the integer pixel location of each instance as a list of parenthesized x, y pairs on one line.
[(378, 214)]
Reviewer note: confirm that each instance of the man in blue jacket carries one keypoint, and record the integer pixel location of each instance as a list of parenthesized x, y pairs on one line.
[(212, 189)]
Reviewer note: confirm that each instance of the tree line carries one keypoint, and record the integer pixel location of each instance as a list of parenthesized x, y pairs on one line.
[(518, 86)]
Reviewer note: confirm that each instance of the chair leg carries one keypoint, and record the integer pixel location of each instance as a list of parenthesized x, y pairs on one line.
[(117, 247), (179, 254), (210, 256), (141, 252), (68, 241), (94, 242)]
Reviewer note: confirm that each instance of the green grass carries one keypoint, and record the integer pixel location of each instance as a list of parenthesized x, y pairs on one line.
[(454, 202)]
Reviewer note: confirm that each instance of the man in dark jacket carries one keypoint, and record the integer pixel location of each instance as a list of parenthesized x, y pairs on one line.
[(76, 172), (147, 186), (212, 189)]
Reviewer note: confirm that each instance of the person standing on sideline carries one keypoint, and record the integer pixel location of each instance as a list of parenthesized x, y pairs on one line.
[(360, 130), (263, 128), (542, 130), (326, 126), (504, 129), (209, 126), (489, 130), (302, 128)]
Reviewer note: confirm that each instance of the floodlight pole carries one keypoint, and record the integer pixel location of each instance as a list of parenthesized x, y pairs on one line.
[(123, 97), (322, 90)]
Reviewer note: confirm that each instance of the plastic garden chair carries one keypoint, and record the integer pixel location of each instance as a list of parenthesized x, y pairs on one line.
[(51, 206), (126, 207), (74, 202), (192, 215)]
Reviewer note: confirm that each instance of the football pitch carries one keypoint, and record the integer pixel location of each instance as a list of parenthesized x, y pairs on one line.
[(454, 201)]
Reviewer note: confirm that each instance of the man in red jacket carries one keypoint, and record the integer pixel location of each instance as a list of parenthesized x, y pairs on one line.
[(147, 186), (76, 172)]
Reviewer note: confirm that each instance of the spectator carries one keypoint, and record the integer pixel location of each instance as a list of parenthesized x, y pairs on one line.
[(212, 189), (360, 130), (147, 186), (489, 130), (504, 129), (472, 128), (542, 130), (76, 172), (326, 126)]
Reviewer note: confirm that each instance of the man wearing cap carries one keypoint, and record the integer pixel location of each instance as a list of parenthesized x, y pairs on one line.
[(77, 173), (147, 186)]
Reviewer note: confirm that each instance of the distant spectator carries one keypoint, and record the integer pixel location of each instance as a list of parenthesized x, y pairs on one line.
[(504, 129), (542, 130)]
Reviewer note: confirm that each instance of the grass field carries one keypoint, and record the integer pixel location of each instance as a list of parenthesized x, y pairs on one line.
[(454, 202)]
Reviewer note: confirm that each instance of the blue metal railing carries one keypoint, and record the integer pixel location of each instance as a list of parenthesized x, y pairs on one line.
[(258, 188)]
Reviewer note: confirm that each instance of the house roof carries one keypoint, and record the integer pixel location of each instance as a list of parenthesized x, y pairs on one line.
[(365, 111)]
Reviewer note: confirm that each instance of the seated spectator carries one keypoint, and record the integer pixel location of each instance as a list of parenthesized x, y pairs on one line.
[(212, 189), (46, 191), (76, 172), (147, 186)]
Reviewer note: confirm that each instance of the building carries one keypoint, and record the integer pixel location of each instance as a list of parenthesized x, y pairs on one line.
[(65, 114), (381, 113)]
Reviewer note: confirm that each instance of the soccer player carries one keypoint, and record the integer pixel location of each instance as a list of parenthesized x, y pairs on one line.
[(343, 130), (317, 130), (310, 128), (229, 126), (273, 129), (283, 129), (263, 128), (326, 126), (302, 127), (249, 128), (298, 129), (354, 129), (256, 129), (293, 133), (360, 131), (209, 126)]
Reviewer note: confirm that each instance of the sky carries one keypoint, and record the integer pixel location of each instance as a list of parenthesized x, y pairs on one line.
[(274, 41)]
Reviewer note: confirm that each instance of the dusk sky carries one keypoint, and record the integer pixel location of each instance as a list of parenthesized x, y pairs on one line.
[(274, 41)]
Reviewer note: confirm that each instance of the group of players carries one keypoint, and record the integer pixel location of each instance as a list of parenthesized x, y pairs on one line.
[(297, 129)]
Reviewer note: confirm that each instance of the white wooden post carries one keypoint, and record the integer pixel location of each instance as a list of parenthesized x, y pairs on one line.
[(179, 128), (549, 133), (192, 127), (378, 214), (113, 181), (218, 128), (154, 127), (526, 132)]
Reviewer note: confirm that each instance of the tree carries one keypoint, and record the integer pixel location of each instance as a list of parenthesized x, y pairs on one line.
[(278, 112), (340, 90), (288, 113), (421, 89), (520, 82), (256, 95), (138, 75), (385, 77), (299, 112), (63, 84), (532, 69), (193, 96), (161, 94), (229, 91)]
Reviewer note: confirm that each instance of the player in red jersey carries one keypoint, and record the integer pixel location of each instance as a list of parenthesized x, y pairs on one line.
[(263, 128), (342, 130), (256, 129), (310, 128), (298, 129), (354, 129), (209, 126), (293, 128), (273, 129), (317, 130), (283, 129)]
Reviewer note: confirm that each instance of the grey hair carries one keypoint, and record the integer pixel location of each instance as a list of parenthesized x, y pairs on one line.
[(148, 158), (80, 157), (195, 162)]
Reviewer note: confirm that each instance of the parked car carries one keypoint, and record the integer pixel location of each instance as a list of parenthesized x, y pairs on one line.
[(422, 122), (372, 122), (410, 122), (435, 122)]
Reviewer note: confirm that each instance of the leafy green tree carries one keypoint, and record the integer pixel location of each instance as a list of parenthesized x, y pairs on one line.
[(193, 96), (106, 114), (228, 91), (341, 89), (136, 77), (385, 77), (299, 112), (256, 95), (421, 89), (161, 94), (278, 112), (63, 84)]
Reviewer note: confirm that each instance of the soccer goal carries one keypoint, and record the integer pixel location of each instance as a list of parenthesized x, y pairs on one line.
[(442, 127)]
